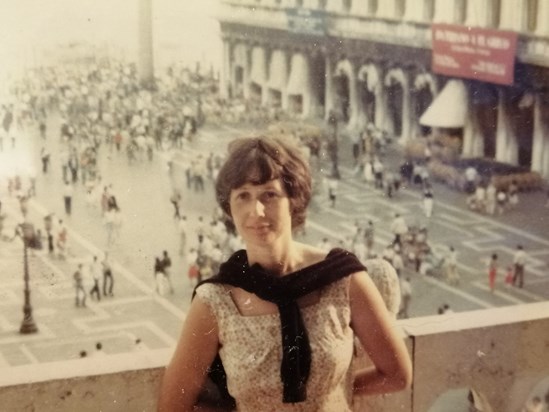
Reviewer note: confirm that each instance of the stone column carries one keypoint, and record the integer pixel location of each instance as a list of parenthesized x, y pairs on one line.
[(540, 145), (329, 92), (406, 109), (246, 76), (308, 100), (354, 100), (505, 143), (226, 70), (145, 56), (473, 141), (382, 120)]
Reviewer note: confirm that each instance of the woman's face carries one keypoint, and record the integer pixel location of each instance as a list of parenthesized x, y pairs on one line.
[(261, 213)]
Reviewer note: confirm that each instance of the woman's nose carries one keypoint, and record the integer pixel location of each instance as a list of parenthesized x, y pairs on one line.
[(259, 208)]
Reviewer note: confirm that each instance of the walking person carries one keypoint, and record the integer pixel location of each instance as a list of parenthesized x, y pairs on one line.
[(264, 188), (175, 200), (166, 266), (45, 158), (79, 287), (159, 276), (67, 197), (492, 272), (519, 261), (450, 266), (406, 297), (95, 272), (332, 191), (108, 280), (369, 235), (399, 229), (428, 203)]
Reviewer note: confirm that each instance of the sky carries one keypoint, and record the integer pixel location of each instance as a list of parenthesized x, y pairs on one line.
[(182, 29)]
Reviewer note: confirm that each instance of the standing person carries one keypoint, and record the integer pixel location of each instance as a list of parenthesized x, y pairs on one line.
[(501, 200), (450, 266), (406, 296), (399, 229), (175, 200), (108, 280), (264, 188), (79, 287), (519, 261), (428, 202), (509, 275), (166, 266), (378, 173), (491, 192), (95, 272), (369, 233), (492, 271), (45, 158), (61, 243), (159, 276), (332, 191), (67, 197), (182, 230), (397, 262)]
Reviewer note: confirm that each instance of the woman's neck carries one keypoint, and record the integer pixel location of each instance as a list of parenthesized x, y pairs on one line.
[(277, 260)]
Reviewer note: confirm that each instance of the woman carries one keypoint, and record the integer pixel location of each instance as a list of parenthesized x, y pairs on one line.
[(315, 304), (492, 272)]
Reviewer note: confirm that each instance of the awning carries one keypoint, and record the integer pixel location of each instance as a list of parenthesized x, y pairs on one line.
[(449, 108), (278, 71), (299, 75), (259, 71)]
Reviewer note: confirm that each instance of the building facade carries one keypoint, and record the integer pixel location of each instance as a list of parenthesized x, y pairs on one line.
[(370, 61)]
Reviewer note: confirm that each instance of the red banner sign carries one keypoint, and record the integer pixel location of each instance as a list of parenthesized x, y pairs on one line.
[(474, 53)]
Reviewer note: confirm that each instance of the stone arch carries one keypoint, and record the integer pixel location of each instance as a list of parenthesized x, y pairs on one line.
[(369, 81), (520, 106), (343, 82), (398, 104), (425, 89)]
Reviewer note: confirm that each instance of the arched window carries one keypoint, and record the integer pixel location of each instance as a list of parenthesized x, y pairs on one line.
[(322, 4), (299, 3)]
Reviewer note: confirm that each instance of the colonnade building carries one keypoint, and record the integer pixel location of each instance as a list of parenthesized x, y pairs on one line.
[(371, 61)]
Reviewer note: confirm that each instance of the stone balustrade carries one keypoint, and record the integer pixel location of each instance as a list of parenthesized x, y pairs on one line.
[(502, 353)]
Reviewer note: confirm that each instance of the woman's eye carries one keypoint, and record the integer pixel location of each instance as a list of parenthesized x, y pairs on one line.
[(242, 196), (270, 195)]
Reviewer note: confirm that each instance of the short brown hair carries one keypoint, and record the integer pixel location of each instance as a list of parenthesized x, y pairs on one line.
[(259, 159)]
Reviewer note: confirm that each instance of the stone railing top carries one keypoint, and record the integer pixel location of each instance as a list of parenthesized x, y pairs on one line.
[(88, 366), (482, 318)]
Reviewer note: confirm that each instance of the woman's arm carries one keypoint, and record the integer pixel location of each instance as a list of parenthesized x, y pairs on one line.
[(378, 334), (195, 351)]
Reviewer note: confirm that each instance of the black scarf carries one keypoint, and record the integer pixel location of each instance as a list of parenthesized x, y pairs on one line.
[(284, 292)]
